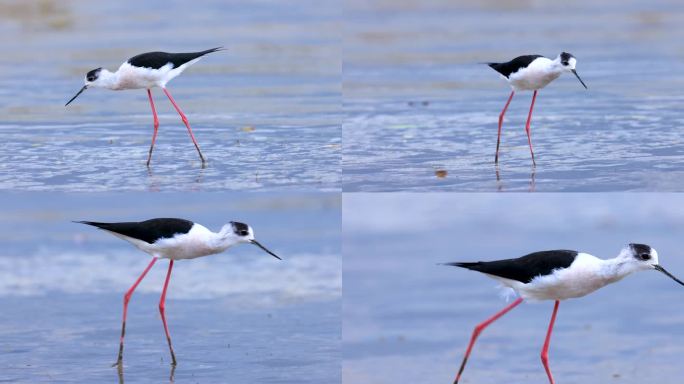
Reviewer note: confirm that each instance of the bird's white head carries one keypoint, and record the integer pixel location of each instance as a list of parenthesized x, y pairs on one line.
[(237, 233), (640, 257), (568, 62), (97, 78), (93, 78)]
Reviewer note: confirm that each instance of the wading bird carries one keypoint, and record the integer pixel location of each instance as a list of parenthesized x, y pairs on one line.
[(174, 239), (558, 275), (146, 71), (532, 73)]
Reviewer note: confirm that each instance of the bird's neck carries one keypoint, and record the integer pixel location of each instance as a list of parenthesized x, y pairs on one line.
[(553, 66), (109, 80), (223, 239), (615, 269)]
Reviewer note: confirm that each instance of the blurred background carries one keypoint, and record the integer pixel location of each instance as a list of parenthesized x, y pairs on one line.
[(266, 112), (407, 319), (240, 316), (422, 110)]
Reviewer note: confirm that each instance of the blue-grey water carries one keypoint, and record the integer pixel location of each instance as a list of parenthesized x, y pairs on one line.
[(408, 320), (266, 112), (421, 112), (241, 316)]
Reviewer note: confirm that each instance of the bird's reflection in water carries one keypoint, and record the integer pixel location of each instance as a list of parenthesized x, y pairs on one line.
[(153, 184), (500, 185), (200, 176), (120, 372), (532, 178)]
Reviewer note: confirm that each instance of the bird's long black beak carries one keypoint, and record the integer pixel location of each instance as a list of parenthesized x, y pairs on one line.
[(265, 249), (661, 269), (573, 71), (83, 89)]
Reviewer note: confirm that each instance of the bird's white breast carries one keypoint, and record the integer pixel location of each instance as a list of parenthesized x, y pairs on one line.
[(199, 241), (535, 76), (584, 276), (130, 77)]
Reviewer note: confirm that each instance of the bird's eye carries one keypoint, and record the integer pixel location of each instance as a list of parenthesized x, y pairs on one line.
[(644, 256), (244, 233), (565, 63)]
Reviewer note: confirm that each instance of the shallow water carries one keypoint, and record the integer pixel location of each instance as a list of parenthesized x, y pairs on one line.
[(266, 112), (421, 113), (241, 316), (407, 319)]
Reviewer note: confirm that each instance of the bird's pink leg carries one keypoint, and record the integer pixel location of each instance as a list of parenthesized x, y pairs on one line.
[(127, 298), (501, 117), (545, 349), (478, 329), (527, 126), (156, 126), (163, 316), (185, 121)]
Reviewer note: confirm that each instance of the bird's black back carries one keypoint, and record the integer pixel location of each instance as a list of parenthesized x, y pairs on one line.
[(525, 268), (514, 65), (156, 60), (148, 231)]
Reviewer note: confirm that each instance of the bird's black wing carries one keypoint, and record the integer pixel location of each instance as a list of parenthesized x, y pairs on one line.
[(514, 65), (156, 60), (525, 268), (148, 231)]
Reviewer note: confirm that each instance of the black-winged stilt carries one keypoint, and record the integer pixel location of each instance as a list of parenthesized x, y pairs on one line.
[(174, 239), (558, 275), (532, 73), (148, 70)]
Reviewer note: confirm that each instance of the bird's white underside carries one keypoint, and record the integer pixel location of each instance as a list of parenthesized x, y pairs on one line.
[(585, 275), (130, 77), (198, 242), (537, 75)]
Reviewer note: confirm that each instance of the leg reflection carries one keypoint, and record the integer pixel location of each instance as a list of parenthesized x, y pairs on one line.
[(119, 371), (172, 374)]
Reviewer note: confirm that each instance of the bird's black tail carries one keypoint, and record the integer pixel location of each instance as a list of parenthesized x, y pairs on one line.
[(179, 59), (460, 264), (202, 53), (93, 223), (475, 266)]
